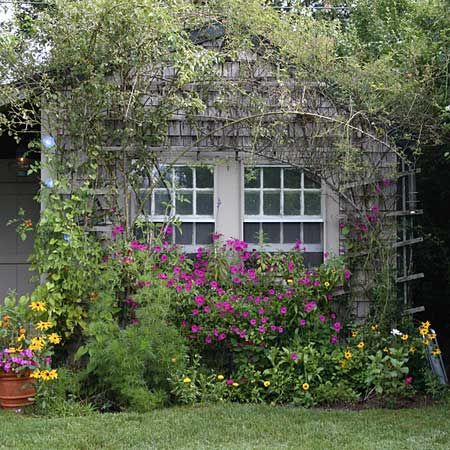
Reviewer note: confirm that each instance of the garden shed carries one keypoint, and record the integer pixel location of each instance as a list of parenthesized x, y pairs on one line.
[(242, 147)]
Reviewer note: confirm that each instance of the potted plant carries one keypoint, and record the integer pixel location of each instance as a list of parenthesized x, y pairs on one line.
[(26, 344)]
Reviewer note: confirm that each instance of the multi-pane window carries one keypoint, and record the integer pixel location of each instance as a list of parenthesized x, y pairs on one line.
[(281, 206), (187, 193)]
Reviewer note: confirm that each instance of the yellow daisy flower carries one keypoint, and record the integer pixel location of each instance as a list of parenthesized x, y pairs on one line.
[(220, 377), (361, 345), (404, 337), (186, 380), (385, 350), (235, 384), (436, 352), (374, 327), (37, 306), (412, 349), (43, 326), (53, 374), (36, 344), (326, 284), (266, 383), (354, 333), (425, 342), (45, 375), (305, 386), (431, 336), (54, 338), (348, 355), (35, 374)]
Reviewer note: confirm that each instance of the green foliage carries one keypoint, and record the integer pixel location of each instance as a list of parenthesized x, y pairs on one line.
[(63, 397), (339, 393), (387, 372), (130, 366)]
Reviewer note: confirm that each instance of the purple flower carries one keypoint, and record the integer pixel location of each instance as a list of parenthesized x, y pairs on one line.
[(310, 306), (252, 321), (118, 229), (294, 356), (302, 322), (208, 339), (215, 236), (347, 275), (221, 336), (337, 326), (236, 280), (322, 318), (199, 299), (283, 310), (262, 329), (333, 339), (195, 328)]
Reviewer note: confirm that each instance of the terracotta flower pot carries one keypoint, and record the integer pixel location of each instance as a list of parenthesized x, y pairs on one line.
[(16, 391)]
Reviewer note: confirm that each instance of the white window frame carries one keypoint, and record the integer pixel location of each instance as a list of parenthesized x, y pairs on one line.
[(301, 218), (186, 218)]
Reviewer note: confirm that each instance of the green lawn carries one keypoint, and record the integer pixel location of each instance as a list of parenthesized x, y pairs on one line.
[(233, 427)]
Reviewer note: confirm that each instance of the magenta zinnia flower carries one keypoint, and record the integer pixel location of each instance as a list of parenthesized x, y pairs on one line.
[(294, 356)]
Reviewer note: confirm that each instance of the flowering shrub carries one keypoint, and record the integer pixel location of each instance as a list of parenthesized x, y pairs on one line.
[(257, 327), (27, 338)]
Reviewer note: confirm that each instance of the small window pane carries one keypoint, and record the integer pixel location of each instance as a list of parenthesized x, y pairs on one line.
[(312, 233), (204, 177), (312, 203), (157, 180), (272, 177), (271, 232), (251, 233), (183, 177), (292, 203), (310, 183), (271, 203), (313, 259), (252, 178), (184, 203), (205, 203), (162, 200), (252, 203), (203, 233), (292, 178), (144, 203), (291, 233), (183, 234)]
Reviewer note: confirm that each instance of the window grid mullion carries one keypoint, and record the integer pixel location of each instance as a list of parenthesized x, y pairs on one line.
[(194, 192), (302, 195)]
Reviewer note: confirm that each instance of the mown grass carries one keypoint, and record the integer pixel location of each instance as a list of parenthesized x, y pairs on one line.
[(232, 426)]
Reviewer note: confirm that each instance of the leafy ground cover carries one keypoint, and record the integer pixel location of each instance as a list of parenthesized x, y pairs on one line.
[(233, 426)]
